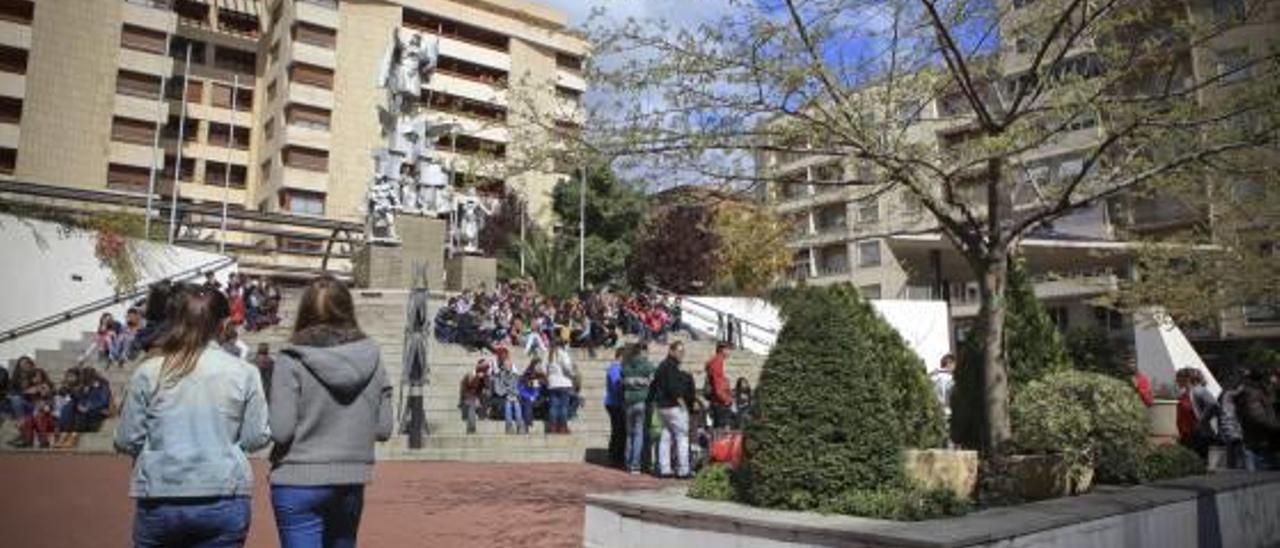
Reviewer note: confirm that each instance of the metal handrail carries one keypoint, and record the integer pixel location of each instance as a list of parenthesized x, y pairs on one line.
[(94, 306), (739, 332), (714, 309)]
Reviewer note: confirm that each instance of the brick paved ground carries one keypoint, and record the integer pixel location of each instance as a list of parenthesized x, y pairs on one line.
[(63, 501)]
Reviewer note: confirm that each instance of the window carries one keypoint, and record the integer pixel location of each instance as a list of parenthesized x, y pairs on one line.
[(1108, 319), (215, 173), (311, 75), (303, 245), (472, 71), (195, 90), (306, 158), (830, 218), (869, 254), (569, 94), (1070, 169), (1082, 121), (234, 60), (191, 12), (178, 50), (308, 117), (431, 24), (17, 11), (221, 134), (1059, 316), (8, 160), (869, 210), (128, 130), (238, 22), (469, 145), (303, 202), (142, 39), (188, 167), (1233, 65), (13, 60), (190, 130), (123, 177), (869, 292), (137, 84), (569, 61), (316, 35), (447, 102), (10, 110), (833, 259), (911, 205), (221, 97), (1022, 45)]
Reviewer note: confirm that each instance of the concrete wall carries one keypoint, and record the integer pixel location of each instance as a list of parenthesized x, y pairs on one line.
[(1238, 510)]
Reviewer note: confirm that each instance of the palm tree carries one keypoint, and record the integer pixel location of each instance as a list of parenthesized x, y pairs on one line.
[(550, 263)]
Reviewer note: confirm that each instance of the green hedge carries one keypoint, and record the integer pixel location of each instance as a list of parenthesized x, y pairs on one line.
[(1161, 462), (1092, 419), (712, 483), (841, 395)]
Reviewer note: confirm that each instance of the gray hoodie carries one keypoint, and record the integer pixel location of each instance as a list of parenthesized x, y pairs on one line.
[(330, 401)]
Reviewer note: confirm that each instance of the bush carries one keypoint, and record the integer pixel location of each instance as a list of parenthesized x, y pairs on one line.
[(1092, 419), (1161, 462), (839, 398), (1033, 348), (904, 504), (713, 483), (1091, 350)]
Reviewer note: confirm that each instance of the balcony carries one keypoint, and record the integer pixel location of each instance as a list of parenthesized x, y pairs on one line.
[(13, 85), (15, 35), (317, 12), (314, 55)]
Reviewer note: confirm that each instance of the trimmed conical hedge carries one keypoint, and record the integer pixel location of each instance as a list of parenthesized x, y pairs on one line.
[(1033, 348), (841, 395)]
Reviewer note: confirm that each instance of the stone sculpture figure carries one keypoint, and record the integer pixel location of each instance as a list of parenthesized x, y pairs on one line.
[(470, 220), (404, 68)]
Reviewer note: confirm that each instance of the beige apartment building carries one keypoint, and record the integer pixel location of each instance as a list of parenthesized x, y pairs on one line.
[(885, 244), (280, 101)]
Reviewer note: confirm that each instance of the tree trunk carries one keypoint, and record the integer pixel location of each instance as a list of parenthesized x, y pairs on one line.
[(995, 375)]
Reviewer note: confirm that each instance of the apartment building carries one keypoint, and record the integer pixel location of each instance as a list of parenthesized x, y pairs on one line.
[(279, 99), (886, 244)]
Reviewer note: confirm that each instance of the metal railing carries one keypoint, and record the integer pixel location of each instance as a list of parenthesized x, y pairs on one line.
[(729, 327), (99, 304)]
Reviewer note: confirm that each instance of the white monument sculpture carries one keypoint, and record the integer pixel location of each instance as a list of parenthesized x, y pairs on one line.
[(470, 219), (407, 180)]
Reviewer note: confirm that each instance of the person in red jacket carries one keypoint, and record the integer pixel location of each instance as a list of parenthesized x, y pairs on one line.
[(719, 395), (1141, 383)]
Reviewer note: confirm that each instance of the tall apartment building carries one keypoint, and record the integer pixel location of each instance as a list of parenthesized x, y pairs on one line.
[(887, 245), (89, 88)]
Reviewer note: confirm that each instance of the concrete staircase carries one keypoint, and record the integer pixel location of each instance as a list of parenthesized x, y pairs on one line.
[(382, 316)]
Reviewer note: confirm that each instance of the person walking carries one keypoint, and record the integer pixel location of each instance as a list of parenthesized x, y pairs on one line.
[(560, 373), (191, 415), (330, 402), (718, 393), (673, 395), (1256, 409), (637, 375), (613, 403)]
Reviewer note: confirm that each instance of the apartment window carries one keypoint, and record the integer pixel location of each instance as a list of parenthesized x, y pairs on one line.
[(137, 84), (220, 134), (1082, 121), (869, 254), (128, 130), (1022, 45), (316, 35), (833, 259), (428, 23), (306, 158), (301, 245), (303, 202), (215, 173), (178, 50), (569, 62), (308, 117), (1233, 65), (869, 292), (190, 130), (234, 60), (188, 167), (8, 160), (830, 218), (911, 205), (1108, 319), (469, 145), (569, 94), (221, 97), (238, 22), (194, 94), (1070, 169), (191, 12), (1060, 318), (447, 102), (13, 60), (10, 110), (311, 75), (869, 210), (142, 39), (472, 71), (124, 177), (17, 11)]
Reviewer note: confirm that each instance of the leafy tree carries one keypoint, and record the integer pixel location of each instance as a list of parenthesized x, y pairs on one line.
[(841, 395), (676, 250), (615, 211), (502, 229), (551, 264), (752, 254)]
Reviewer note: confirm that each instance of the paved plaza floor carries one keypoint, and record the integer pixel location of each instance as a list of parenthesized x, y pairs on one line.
[(68, 501)]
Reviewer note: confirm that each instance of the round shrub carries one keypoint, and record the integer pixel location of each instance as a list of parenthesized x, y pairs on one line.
[(839, 398), (1162, 462), (1093, 420), (712, 483), (903, 504)]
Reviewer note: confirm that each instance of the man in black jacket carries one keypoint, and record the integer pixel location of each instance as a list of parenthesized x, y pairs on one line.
[(672, 394), (1255, 408)]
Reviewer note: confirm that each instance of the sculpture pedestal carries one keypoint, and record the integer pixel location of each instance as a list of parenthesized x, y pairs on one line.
[(470, 272), (390, 266)]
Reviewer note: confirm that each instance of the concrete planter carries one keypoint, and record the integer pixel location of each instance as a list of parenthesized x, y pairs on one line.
[(1041, 477), (1162, 419), (952, 469)]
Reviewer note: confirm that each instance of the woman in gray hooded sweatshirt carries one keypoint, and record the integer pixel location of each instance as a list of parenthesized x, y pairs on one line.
[(330, 402)]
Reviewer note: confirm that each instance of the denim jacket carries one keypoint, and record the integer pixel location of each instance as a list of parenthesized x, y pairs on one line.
[(192, 439)]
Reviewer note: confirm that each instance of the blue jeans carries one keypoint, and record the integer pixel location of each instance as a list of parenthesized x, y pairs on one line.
[(1256, 461), (635, 436), (513, 413), (314, 516), (558, 412), (214, 522)]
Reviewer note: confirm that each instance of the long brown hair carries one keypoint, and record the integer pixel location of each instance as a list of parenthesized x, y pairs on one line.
[(326, 302), (195, 318)]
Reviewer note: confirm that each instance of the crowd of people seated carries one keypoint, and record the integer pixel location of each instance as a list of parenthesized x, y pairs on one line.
[(50, 415), (516, 315), (255, 302)]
